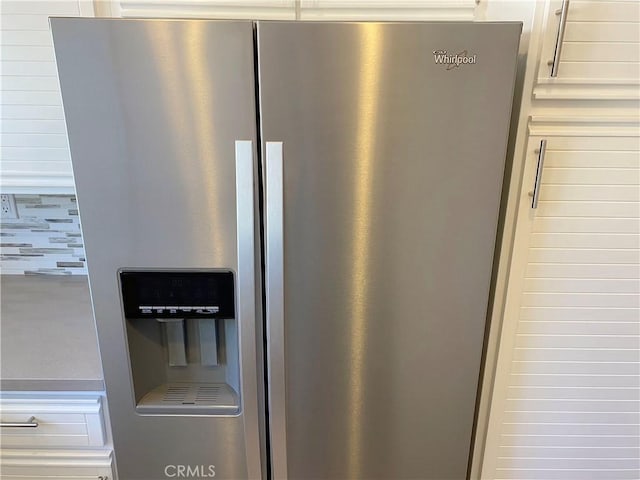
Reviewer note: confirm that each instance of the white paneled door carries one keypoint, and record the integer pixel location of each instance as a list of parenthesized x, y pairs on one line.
[(323, 10), (33, 139), (385, 10), (567, 395), (222, 9), (590, 50)]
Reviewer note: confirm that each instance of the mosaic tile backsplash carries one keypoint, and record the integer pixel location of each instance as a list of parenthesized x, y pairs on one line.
[(45, 239)]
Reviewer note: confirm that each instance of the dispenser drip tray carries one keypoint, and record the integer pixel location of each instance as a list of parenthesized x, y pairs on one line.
[(190, 399)]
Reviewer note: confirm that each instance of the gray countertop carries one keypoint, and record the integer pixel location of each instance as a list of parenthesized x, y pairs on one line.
[(47, 334)]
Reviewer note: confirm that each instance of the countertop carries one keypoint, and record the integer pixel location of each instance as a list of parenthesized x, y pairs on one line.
[(47, 335)]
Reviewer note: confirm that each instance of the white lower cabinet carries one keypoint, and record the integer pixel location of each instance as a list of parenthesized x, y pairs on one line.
[(53, 436), (567, 386), (27, 464)]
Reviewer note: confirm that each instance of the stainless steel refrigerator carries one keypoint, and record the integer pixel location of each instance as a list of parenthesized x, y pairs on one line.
[(290, 229)]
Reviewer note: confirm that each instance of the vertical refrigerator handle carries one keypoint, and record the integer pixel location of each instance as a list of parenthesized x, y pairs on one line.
[(246, 304), (274, 270)]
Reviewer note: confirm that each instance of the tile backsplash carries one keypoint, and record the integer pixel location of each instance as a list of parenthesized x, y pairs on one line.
[(45, 239)]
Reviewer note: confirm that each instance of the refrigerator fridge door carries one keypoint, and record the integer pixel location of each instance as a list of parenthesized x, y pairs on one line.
[(162, 126), (384, 155)]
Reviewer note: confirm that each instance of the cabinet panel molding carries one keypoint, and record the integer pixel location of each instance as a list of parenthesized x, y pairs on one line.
[(606, 127)]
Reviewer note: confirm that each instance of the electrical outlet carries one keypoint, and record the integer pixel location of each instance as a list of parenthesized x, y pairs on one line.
[(9, 209)]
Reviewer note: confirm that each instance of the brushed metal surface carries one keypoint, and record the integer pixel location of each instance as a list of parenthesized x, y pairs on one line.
[(562, 26), (393, 168), (274, 285), (29, 423), (153, 110), (535, 194), (246, 302)]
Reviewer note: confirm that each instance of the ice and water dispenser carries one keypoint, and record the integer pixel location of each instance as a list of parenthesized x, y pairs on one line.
[(183, 341)]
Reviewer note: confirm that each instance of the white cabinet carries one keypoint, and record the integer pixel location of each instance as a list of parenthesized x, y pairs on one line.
[(47, 436), (228, 9), (33, 143), (599, 46), (55, 465), (411, 10), (51, 422), (567, 385)]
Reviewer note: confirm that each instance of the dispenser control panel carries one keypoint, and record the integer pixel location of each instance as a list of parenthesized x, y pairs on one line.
[(178, 294)]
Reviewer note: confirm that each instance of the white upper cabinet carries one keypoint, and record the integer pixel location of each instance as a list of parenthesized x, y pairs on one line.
[(33, 143), (411, 10), (590, 50), (300, 9), (227, 9)]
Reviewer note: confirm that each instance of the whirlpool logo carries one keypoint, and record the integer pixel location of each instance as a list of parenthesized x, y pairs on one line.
[(190, 471), (454, 60)]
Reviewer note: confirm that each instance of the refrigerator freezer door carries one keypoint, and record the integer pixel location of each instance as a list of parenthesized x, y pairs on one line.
[(154, 109), (393, 149)]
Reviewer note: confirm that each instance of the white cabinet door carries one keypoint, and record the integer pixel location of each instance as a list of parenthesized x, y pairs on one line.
[(567, 390), (40, 421), (56, 473), (47, 436), (26, 464), (596, 47), (33, 143), (229, 9), (413, 10), (300, 9)]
